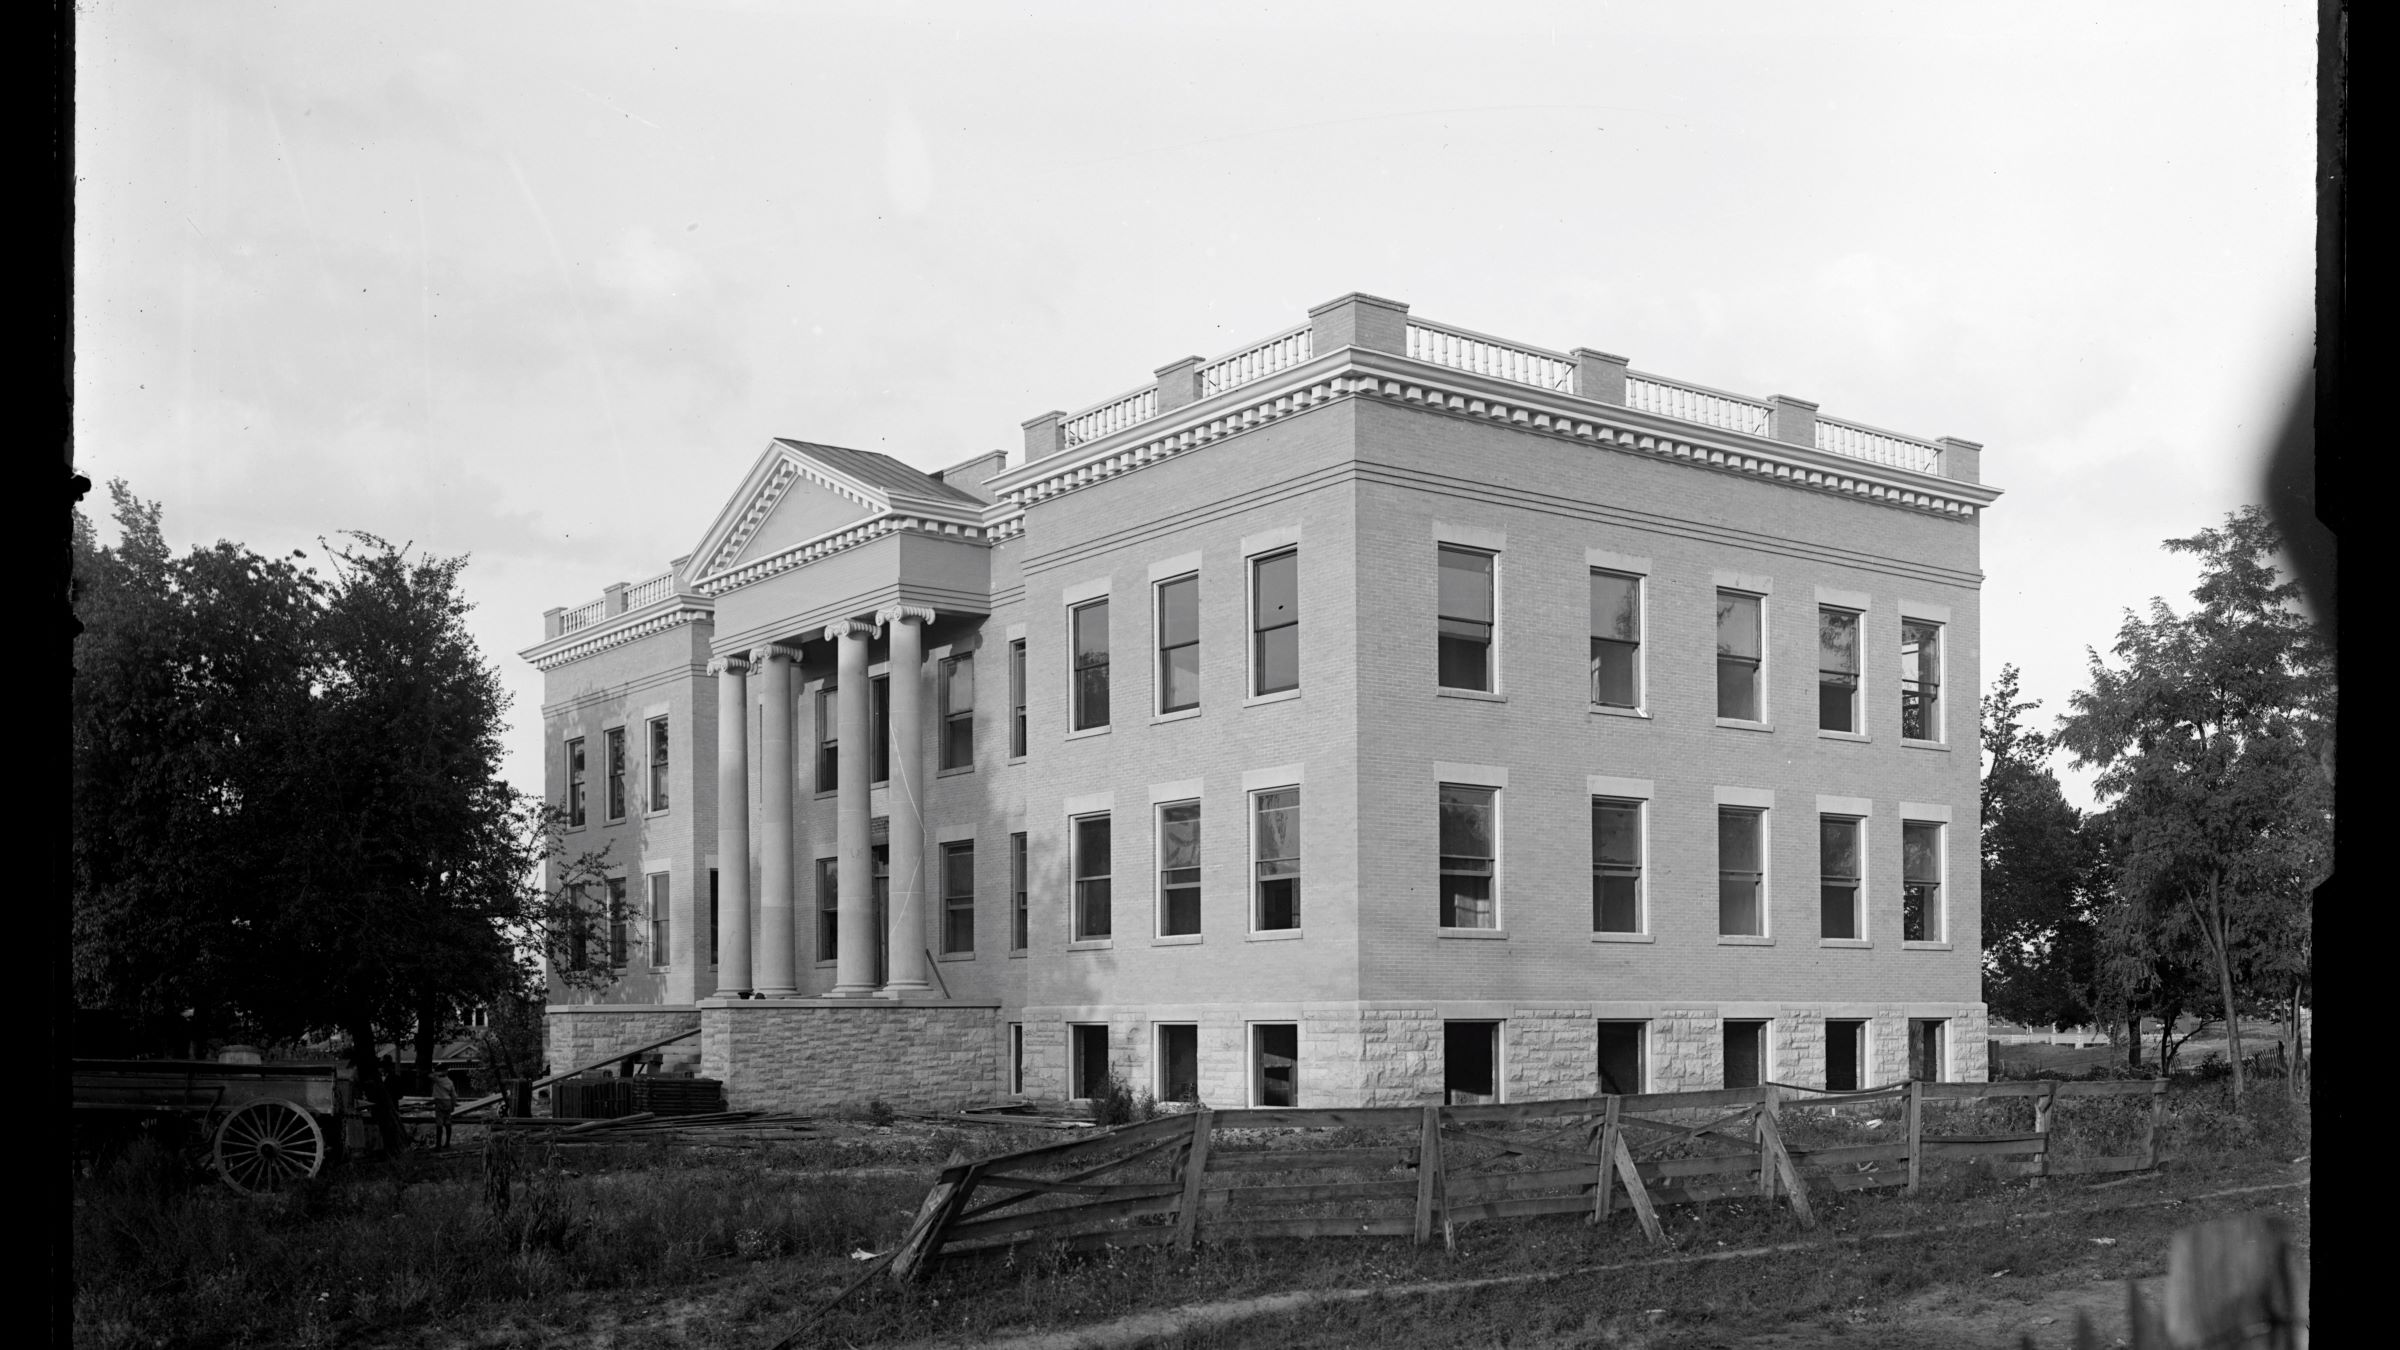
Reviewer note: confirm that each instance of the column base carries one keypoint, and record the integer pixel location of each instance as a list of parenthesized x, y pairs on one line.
[(851, 991), (905, 989), (775, 993)]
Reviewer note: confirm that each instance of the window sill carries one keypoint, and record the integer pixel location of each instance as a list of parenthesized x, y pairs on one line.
[(1608, 710), (1861, 944), (654, 812), (1859, 736), (1176, 940), (1014, 759), (824, 965), (955, 956), (1911, 743), (1179, 715), (1925, 946), (1279, 696), (954, 773), (1744, 940), (1624, 937), (1488, 934), (1744, 724), (1091, 944), (660, 970), (1017, 955), (1273, 935), (822, 794), (1101, 730), (1474, 695)]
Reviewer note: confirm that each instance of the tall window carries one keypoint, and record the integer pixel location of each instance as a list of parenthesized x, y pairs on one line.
[(658, 918), (958, 897), (1091, 877), (958, 711), (1745, 1054), (1738, 655), (1838, 879), (579, 929), (1920, 679), (1017, 924), (1927, 1051), (1921, 881), (1179, 644), (829, 915), (1468, 855), (1016, 699), (1465, 619), (1275, 1063), (1837, 670), (1178, 869), (1741, 872), (1178, 1062), (658, 764), (616, 922), (829, 740), (879, 728), (1616, 640), (1616, 866), (1088, 1046), (713, 947), (1470, 1063), (1275, 622), (1090, 625), (1623, 1058), (616, 772), (1016, 1058), (1275, 849), (575, 781), (1845, 1055)]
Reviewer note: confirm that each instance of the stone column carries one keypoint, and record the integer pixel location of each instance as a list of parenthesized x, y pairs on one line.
[(733, 825), (774, 956), (907, 627), (854, 940)]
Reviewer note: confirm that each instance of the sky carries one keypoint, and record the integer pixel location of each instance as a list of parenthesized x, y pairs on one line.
[(536, 283)]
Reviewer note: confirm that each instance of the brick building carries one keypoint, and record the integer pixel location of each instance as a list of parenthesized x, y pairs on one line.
[(1378, 709)]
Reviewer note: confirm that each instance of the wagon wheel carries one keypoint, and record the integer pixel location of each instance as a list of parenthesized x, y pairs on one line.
[(267, 1144)]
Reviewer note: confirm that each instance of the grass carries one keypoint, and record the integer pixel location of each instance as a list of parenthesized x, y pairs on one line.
[(657, 1246)]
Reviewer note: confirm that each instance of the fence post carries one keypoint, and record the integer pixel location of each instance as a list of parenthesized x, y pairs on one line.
[(2042, 1117), (1916, 1131), (2158, 1117), (1429, 1167), (1602, 1193), (1763, 1126), (942, 1204), (1195, 1164)]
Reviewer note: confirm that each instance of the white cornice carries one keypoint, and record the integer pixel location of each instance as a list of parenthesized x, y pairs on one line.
[(631, 626), (1356, 372), (965, 525)]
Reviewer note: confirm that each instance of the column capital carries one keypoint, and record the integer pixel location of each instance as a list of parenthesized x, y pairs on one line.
[(842, 628), (729, 665), (759, 656), (896, 613)]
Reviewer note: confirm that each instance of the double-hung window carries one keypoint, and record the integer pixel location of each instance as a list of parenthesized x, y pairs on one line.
[(1741, 872), (1616, 866), (1016, 699), (616, 772), (658, 764), (829, 909), (1090, 639), (879, 728), (1469, 856), (1091, 877), (1616, 640), (1466, 618), (1179, 644), (1920, 679), (958, 711), (1275, 848), (1739, 653), (958, 897), (1018, 928), (616, 922), (1179, 869), (829, 740), (1837, 670), (658, 918), (1838, 855), (1275, 622), (575, 782), (1920, 881)]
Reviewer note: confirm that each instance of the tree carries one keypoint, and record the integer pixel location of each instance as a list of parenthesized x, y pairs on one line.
[(2040, 963), (2211, 740)]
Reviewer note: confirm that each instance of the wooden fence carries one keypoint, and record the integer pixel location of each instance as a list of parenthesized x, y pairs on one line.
[(1415, 1171)]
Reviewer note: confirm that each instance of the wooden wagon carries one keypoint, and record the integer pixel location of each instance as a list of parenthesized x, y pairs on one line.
[(263, 1126)]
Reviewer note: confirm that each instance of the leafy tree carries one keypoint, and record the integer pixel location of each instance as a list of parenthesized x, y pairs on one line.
[(2040, 960), (2214, 744)]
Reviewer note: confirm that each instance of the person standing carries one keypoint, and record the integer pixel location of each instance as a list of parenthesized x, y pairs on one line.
[(445, 1097)]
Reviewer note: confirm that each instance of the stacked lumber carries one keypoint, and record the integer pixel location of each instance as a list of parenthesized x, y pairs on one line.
[(718, 1129), (593, 1098), (662, 1096)]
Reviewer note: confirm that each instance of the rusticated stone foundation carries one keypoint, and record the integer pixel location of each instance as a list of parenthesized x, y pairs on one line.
[(575, 1035), (840, 1054)]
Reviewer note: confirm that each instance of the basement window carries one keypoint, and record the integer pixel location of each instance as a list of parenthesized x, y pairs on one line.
[(1624, 1057), (1470, 1063), (1178, 1062), (1087, 1044), (1275, 1063), (1745, 1054), (1845, 1055), (1928, 1048)]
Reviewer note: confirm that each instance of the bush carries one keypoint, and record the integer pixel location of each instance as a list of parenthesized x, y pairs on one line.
[(1115, 1104), (880, 1112)]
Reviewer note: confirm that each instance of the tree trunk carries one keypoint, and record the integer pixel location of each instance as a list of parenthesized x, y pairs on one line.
[(2219, 939), (2133, 1042), (429, 1026), (382, 1105)]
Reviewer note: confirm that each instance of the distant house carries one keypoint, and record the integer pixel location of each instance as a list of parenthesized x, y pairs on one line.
[(1380, 708)]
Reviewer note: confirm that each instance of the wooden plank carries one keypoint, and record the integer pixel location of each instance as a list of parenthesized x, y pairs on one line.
[(1505, 1112), (1277, 1117), (1508, 1149), (1515, 1183), (1607, 1150), (1721, 1126), (1823, 1097), (940, 1206), (481, 1102), (1519, 1208), (1937, 1147), (1967, 1092), (1636, 1194), (1064, 1218), (1429, 1170), (2158, 1118), (1174, 1127), (1915, 1113), (1246, 1196), (1310, 1160), (1195, 1166), (1855, 1153), (2126, 1087), (1796, 1190), (1710, 1099), (1394, 1226), (1113, 1191), (2044, 1113), (1859, 1181), (1087, 1174), (1722, 1164), (2075, 1167), (1766, 1164)]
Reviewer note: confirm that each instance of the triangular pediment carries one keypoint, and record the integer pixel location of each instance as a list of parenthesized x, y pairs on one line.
[(804, 510), (797, 491)]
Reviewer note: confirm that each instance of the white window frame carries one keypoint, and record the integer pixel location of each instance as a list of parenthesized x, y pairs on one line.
[(1250, 630), (1858, 691), (1866, 1048), (657, 915), (1495, 781), (1762, 802), (1495, 550), (1921, 813), (1939, 616), (1641, 883), (1641, 643), (1861, 823), (1257, 1064), (1158, 867), (1158, 1058), (1643, 1040), (653, 780), (1016, 1059), (1766, 657), (1251, 860), (1159, 712), (1766, 1047), (1076, 878), (1078, 600)]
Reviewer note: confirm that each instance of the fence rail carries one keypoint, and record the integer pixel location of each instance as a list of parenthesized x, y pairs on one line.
[(1459, 349), (1177, 1177), (1256, 361), (1858, 441), (1696, 403), (1111, 417), (656, 588), (583, 616)]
